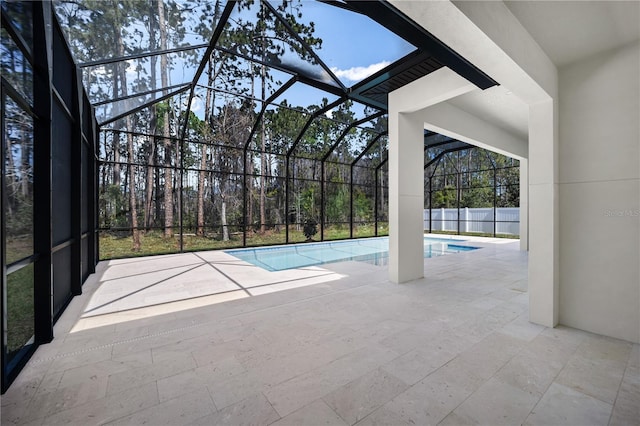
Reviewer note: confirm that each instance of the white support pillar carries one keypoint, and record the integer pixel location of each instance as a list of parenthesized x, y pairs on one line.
[(406, 197), (543, 215), (406, 167), (524, 204), (512, 57)]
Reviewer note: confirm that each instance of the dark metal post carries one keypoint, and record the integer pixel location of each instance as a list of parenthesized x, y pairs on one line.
[(495, 200), (3, 248), (286, 200), (458, 187), (76, 185), (245, 191), (92, 202), (378, 167), (323, 188), (430, 205), (96, 190), (375, 197), (42, 91), (351, 202), (180, 195)]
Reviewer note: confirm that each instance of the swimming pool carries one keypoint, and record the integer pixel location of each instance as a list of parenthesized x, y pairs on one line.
[(369, 250)]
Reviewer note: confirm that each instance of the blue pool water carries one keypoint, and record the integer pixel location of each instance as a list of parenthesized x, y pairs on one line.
[(370, 250)]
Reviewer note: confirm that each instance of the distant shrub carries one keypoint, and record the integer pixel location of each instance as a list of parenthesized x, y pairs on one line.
[(310, 228)]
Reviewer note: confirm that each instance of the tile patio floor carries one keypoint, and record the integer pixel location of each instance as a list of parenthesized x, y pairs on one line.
[(339, 345)]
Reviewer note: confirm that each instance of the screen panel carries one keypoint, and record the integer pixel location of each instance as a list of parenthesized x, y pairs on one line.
[(61, 169)]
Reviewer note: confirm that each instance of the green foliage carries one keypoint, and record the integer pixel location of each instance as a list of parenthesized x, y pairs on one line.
[(114, 246), (162, 110), (444, 199), (477, 197), (310, 228), (478, 176), (337, 205), (113, 207), (362, 206), (307, 201), (217, 163)]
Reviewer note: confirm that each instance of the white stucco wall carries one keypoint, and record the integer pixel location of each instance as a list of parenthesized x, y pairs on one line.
[(406, 167), (448, 120), (489, 36), (583, 164), (599, 189)]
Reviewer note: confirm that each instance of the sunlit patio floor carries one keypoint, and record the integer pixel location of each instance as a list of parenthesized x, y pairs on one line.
[(203, 338), (136, 288)]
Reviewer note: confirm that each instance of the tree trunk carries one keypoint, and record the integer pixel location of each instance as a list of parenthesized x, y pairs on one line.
[(132, 192), (249, 170), (223, 184), (263, 197), (24, 168), (116, 94), (168, 172), (212, 183), (122, 76), (116, 136), (156, 185), (13, 179), (148, 205), (223, 212), (278, 219), (202, 174)]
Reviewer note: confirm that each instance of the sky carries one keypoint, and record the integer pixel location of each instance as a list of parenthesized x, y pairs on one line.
[(353, 47)]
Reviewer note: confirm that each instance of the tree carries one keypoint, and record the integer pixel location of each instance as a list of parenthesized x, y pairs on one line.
[(107, 25), (231, 124), (113, 29), (444, 198), (310, 228), (232, 90), (268, 39), (223, 71), (122, 79), (166, 134)]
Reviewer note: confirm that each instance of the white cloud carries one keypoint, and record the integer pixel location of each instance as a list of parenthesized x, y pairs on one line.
[(359, 73), (196, 104), (132, 73)]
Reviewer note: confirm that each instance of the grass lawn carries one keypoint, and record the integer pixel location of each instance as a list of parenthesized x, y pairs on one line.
[(19, 248), (20, 325), (154, 242)]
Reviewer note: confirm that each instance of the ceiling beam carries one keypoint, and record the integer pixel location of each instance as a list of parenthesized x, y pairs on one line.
[(394, 20)]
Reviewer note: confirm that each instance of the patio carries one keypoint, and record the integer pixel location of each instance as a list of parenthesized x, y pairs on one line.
[(346, 347)]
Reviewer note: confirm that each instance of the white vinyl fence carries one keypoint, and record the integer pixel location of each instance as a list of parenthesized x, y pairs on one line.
[(507, 220)]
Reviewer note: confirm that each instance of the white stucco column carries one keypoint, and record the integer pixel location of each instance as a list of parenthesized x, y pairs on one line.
[(489, 36), (524, 204), (543, 215), (406, 197), (406, 167)]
